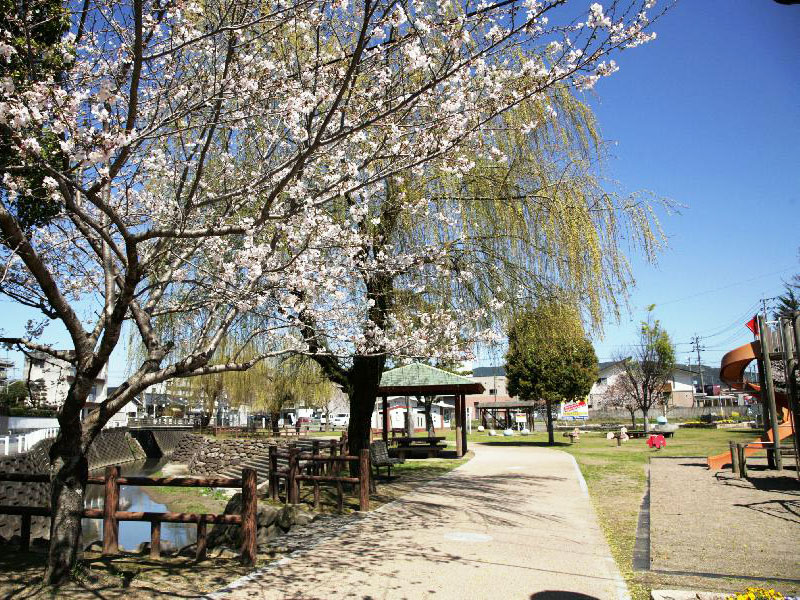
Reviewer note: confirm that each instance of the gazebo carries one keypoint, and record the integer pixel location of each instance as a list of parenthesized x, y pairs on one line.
[(418, 379)]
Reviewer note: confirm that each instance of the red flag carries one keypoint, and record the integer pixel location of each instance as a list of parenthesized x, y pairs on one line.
[(752, 325)]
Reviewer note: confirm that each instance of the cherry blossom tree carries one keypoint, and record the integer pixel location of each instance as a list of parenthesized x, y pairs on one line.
[(217, 160)]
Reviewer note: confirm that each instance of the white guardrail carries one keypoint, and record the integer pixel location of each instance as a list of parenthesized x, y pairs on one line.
[(25, 441)]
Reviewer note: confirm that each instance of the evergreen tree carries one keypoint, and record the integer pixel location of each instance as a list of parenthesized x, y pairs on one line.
[(549, 357)]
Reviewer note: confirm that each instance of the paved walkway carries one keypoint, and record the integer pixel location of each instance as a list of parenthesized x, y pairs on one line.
[(514, 522)]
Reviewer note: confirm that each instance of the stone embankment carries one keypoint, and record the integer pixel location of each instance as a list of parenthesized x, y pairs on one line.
[(111, 447), (189, 445), (216, 457)]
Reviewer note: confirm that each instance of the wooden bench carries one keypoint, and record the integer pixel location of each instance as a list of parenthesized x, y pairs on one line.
[(379, 457)]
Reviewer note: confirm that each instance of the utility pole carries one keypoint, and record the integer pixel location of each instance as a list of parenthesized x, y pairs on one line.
[(697, 347)]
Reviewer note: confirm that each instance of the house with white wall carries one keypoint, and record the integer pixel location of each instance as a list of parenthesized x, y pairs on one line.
[(607, 375), (50, 378), (679, 389), (441, 412)]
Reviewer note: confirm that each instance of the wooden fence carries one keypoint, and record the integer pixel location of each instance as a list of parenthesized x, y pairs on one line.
[(294, 466), (302, 461), (111, 515)]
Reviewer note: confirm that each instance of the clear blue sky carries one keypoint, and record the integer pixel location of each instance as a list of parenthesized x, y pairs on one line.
[(709, 116)]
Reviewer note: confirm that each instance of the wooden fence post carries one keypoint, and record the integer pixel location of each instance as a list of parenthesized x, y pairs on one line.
[(25, 533), (734, 459), (363, 480), (740, 450), (316, 469), (110, 507), (249, 515), (291, 485), (272, 476), (315, 454), (155, 539), (337, 467), (202, 541), (331, 453)]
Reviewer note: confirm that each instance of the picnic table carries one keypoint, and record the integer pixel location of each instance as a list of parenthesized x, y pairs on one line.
[(640, 433), (430, 445)]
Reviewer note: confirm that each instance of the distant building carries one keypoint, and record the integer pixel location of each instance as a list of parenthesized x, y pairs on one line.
[(442, 411), (681, 390), (6, 370), (158, 399), (606, 377), (49, 379), (495, 385), (131, 410)]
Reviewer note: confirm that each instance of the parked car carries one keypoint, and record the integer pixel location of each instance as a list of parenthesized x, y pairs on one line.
[(340, 420)]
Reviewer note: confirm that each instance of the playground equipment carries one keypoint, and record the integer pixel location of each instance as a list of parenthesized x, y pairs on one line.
[(732, 369)]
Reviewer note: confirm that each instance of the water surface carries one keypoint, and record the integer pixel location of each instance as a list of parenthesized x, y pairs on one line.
[(134, 498)]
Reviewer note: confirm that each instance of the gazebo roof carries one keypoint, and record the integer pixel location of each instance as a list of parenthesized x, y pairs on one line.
[(421, 379)]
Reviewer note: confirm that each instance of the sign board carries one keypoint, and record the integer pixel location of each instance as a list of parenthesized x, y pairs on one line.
[(521, 418), (573, 410)]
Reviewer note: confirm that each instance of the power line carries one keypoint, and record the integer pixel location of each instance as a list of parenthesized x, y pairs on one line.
[(724, 287)]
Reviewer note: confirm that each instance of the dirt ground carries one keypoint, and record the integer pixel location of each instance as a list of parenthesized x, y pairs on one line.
[(713, 525)]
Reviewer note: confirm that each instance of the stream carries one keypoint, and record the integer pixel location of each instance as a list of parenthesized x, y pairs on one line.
[(134, 498)]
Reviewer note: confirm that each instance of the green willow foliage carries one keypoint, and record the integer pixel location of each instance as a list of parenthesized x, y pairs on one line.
[(540, 224)]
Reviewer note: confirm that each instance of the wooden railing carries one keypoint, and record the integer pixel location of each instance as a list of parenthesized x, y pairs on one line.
[(739, 454), (111, 515), (295, 466)]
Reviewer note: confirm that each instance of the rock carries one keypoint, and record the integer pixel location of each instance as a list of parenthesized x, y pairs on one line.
[(95, 546), (143, 548), (267, 534), (286, 517), (508, 432), (189, 550), (224, 552), (266, 515), (480, 428), (302, 517)]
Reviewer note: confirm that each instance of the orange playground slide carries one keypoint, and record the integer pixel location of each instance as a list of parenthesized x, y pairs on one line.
[(731, 371)]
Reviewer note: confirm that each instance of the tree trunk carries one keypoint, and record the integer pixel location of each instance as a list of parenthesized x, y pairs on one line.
[(633, 418), (364, 378), (646, 422), (273, 418), (69, 472), (550, 437), (428, 417)]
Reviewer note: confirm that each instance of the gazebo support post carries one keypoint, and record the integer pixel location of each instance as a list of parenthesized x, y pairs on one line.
[(459, 428), (463, 424), (385, 406)]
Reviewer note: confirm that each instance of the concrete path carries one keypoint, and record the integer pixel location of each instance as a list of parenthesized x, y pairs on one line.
[(514, 522)]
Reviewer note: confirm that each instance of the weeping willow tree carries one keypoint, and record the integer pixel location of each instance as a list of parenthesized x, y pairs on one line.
[(268, 386), (451, 257)]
